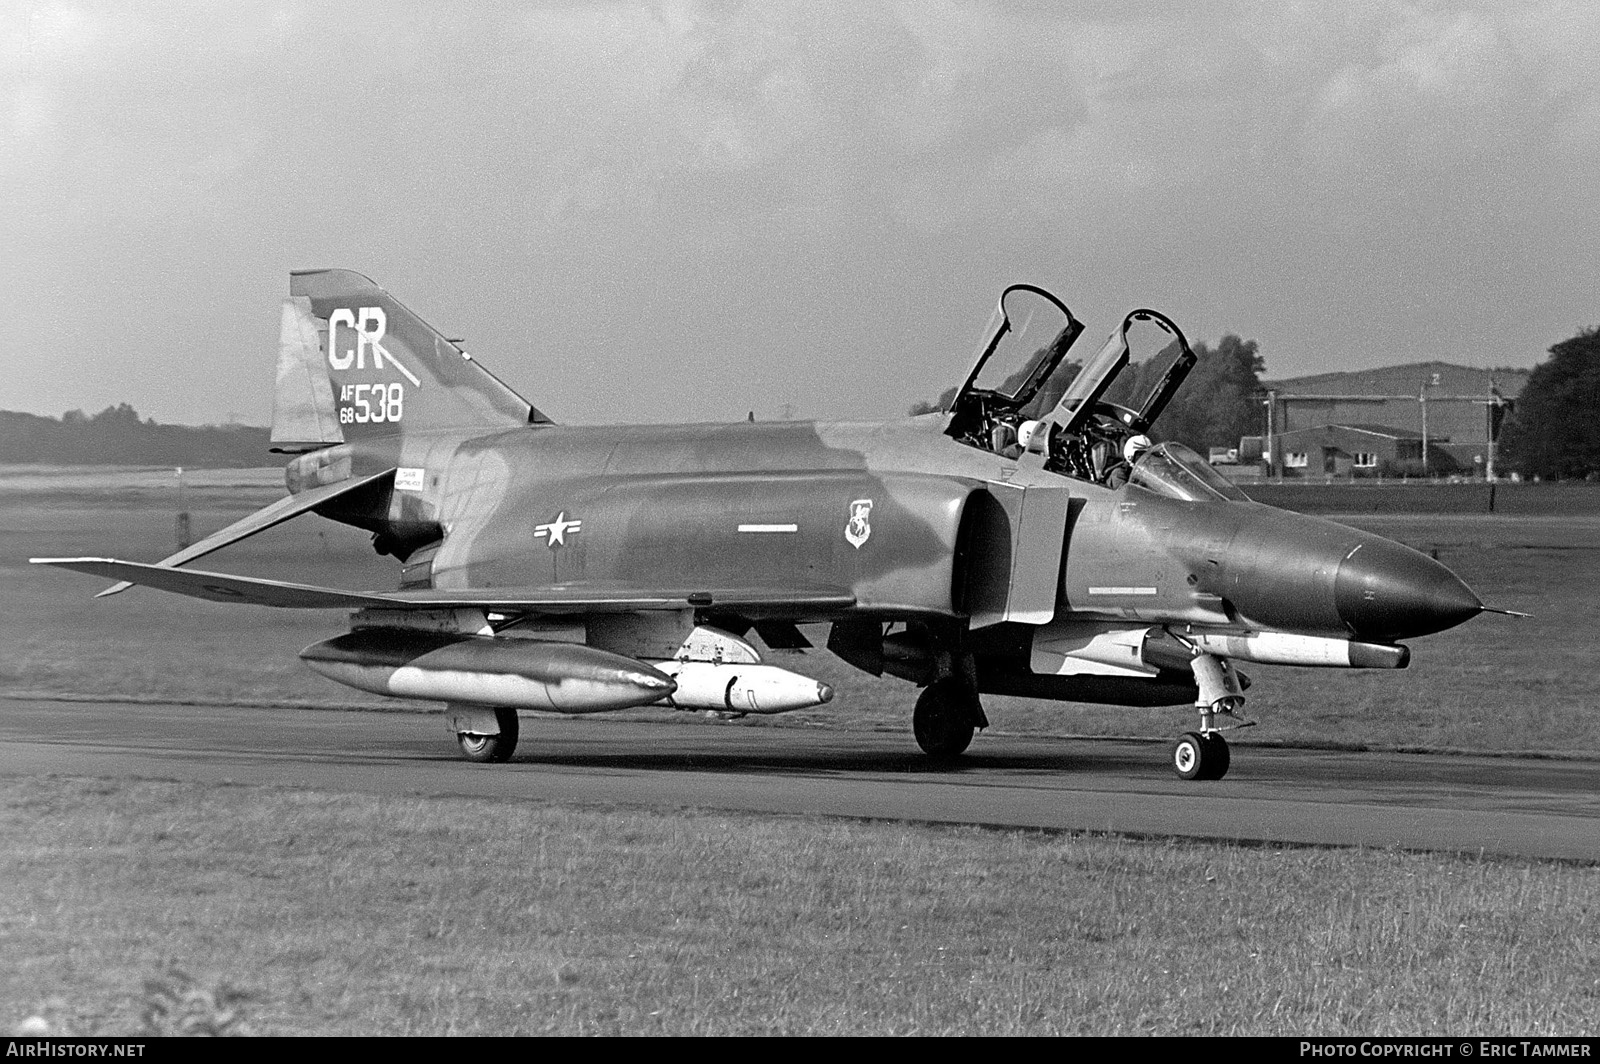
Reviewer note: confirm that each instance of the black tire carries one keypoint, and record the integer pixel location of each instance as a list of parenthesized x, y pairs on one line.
[(1201, 757), (1190, 755), (1218, 757), (492, 749), (946, 715)]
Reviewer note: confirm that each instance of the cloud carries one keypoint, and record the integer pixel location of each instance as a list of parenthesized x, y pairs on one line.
[(575, 155), (1444, 91)]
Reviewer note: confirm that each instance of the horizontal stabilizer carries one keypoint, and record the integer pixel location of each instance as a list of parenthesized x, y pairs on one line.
[(218, 587), (574, 598), (260, 521)]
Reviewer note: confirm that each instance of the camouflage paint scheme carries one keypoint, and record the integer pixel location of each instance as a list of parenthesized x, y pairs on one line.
[(937, 557)]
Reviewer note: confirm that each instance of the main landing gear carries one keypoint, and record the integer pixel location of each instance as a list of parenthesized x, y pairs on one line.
[(485, 735), (947, 713)]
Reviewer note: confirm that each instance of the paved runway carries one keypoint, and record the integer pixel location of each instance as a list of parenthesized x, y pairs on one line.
[(1511, 806)]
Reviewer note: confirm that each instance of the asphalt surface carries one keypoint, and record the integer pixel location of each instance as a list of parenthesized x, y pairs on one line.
[(1474, 804)]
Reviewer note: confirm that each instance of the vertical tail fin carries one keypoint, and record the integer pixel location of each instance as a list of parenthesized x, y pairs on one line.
[(353, 363)]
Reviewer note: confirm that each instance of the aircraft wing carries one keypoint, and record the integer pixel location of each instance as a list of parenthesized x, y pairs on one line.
[(568, 598), (260, 521)]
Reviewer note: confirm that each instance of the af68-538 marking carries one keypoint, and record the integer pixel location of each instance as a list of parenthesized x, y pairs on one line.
[(374, 403)]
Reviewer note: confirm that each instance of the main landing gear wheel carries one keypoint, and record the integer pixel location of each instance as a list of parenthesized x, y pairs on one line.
[(947, 713), (492, 748), (1201, 757)]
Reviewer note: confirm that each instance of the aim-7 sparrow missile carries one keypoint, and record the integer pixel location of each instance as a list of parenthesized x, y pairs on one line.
[(742, 688), (518, 673)]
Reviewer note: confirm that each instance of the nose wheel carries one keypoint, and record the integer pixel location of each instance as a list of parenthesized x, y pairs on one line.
[(1201, 756)]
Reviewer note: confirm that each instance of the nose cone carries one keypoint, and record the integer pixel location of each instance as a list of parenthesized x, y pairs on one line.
[(1385, 591)]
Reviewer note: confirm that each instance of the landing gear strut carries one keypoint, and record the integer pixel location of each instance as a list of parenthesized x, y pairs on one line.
[(481, 745), (1204, 755), (947, 713)]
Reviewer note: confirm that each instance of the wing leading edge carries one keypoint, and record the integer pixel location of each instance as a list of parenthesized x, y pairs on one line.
[(578, 598)]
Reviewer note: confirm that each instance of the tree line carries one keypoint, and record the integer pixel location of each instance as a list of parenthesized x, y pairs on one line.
[(118, 436), (1554, 431)]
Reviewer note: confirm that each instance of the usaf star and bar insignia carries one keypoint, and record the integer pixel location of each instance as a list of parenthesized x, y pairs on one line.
[(555, 532)]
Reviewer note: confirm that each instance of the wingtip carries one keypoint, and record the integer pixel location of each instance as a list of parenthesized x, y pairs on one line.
[(71, 563)]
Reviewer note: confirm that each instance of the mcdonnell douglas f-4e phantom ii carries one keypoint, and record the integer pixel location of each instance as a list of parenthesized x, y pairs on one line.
[(1013, 542)]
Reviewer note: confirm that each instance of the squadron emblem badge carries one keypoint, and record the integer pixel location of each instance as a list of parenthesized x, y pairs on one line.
[(858, 530)]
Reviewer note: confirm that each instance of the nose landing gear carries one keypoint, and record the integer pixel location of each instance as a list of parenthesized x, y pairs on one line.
[(1204, 755)]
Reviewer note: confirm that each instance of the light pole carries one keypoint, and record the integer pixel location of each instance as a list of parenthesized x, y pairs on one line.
[(1270, 402), (1422, 401), (1494, 411), (181, 525)]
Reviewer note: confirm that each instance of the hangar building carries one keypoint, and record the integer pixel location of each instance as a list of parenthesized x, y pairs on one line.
[(1421, 418)]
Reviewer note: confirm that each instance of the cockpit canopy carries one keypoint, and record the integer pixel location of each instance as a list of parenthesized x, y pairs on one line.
[(1134, 376), (1076, 415)]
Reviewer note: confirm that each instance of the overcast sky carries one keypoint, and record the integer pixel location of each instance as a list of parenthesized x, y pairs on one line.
[(684, 211)]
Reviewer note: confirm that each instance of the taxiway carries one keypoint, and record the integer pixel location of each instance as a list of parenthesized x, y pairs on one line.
[(1539, 808)]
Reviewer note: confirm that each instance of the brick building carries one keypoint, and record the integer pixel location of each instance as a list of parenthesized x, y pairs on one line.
[(1349, 450)]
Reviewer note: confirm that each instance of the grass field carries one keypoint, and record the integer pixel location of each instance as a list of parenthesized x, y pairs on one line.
[(341, 914), (1495, 683)]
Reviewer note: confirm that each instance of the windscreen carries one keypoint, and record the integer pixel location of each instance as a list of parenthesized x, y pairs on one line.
[(1173, 470)]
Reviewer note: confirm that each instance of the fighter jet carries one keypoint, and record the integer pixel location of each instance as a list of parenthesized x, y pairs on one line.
[(1026, 539)]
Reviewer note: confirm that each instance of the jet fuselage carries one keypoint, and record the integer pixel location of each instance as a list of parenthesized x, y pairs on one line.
[(883, 509)]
